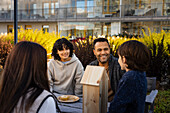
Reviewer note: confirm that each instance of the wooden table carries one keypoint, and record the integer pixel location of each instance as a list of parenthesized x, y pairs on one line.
[(74, 107)]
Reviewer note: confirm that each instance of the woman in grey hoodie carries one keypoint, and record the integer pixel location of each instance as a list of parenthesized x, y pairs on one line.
[(65, 70)]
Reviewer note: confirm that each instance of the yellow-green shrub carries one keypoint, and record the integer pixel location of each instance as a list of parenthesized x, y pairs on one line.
[(156, 38), (158, 43), (45, 39), (5, 47)]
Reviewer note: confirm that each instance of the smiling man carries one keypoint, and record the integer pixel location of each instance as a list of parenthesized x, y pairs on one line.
[(105, 59)]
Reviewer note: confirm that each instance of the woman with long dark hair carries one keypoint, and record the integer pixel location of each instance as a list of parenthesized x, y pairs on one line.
[(24, 85)]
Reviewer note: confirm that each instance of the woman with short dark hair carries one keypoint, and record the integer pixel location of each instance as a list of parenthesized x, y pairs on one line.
[(65, 70), (134, 58), (24, 86)]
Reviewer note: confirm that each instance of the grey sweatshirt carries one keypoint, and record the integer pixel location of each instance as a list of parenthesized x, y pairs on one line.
[(65, 78)]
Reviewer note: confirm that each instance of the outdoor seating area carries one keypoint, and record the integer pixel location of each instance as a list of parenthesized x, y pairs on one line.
[(87, 103), (77, 106), (83, 50), (85, 56)]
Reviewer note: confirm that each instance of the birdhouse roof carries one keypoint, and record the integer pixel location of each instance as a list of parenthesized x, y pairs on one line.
[(93, 75)]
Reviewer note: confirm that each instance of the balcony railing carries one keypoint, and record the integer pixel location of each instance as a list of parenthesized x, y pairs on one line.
[(149, 10)]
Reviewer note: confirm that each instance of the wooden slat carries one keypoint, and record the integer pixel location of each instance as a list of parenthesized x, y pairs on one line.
[(151, 97), (90, 99), (103, 93)]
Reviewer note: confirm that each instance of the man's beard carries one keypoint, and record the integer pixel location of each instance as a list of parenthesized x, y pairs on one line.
[(103, 62)]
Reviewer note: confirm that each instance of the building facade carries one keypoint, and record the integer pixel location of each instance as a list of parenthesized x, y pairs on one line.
[(81, 18)]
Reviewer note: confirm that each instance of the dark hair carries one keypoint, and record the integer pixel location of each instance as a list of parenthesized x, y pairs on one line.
[(25, 69), (136, 53), (100, 40), (59, 45)]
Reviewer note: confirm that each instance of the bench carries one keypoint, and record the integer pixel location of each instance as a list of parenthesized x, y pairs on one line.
[(149, 102)]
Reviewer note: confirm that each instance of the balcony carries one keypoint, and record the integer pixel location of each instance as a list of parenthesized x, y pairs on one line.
[(125, 13)]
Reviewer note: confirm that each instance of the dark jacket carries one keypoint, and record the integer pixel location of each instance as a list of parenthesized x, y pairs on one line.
[(115, 72), (131, 94)]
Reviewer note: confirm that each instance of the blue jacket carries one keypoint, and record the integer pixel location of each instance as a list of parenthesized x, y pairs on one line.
[(131, 93)]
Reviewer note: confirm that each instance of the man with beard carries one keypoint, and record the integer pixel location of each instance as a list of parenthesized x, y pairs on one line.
[(105, 59)]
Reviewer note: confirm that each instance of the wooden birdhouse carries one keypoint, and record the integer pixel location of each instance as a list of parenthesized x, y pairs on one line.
[(95, 90)]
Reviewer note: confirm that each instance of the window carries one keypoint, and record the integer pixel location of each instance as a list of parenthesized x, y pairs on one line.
[(28, 26), (56, 5), (166, 28), (73, 2), (9, 28), (166, 7), (52, 8), (27, 9), (80, 6), (110, 6), (46, 8), (49, 8), (138, 4), (107, 29), (105, 5), (90, 5), (31, 9), (45, 28), (34, 8), (90, 8), (85, 8)]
